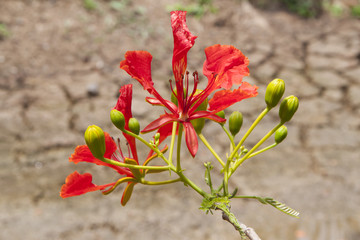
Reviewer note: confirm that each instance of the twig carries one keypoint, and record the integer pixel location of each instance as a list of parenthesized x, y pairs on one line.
[(240, 227)]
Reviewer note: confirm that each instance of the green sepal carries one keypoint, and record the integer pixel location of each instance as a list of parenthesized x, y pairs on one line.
[(118, 182), (127, 193), (136, 172)]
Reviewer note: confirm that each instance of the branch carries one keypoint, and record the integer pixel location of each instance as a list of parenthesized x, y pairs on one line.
[(240, 227)]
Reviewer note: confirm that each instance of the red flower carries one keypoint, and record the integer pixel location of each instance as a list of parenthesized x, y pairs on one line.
[(224, 66), (77, 184)]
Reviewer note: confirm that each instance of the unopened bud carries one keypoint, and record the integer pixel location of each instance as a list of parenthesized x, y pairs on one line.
[(95, 140), (280, 134), (288, 108), (235, 122), (274, 92), (222, 115), (157, 136), (117, 119), (134, 126)]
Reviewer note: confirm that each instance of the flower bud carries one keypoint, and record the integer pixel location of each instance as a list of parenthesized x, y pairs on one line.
[(134, 126), (274, 92), (280, 134), (157, 136), (95, 140), (117, 119), (222, 115), (288, 108), (235, 122)]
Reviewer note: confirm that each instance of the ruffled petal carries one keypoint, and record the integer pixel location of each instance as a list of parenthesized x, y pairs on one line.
[(191, 138), (124, 105), (83, 154), (161, 121), (138, 65), (78, 184), (225, 65), (225, 98), (183, 41)]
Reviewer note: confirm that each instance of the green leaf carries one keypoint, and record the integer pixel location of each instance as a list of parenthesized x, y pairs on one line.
[(280, 206), (211, 203)]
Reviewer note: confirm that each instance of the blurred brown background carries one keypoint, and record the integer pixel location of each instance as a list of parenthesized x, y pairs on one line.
[(59, 73)]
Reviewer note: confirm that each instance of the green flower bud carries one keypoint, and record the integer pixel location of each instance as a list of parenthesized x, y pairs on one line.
[(280, 134), (274, 92), (95, 140), (235, 122), (157, 136), (134, 126), (117, 119), (288, 108), (222, 115)]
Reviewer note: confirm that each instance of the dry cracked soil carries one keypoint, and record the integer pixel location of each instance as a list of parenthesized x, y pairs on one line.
[(59, 73)]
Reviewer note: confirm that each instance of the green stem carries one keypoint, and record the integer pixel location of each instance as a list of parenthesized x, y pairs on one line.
[(255, 123), (161, 182), (271, 132), (253, 197), (178, 150), (172, 144), (179, 170), (188, 182), (230, 136), (263, 150), (120, 164), (203, 139), (155, 149)]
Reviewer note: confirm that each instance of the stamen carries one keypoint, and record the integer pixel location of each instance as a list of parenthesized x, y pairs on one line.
[(129, 150), (172, 89), (196, 82), (119, 148), (187, 85)]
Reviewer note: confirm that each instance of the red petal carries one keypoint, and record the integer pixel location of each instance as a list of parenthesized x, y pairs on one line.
[(191, 138), (83, 154), (77, 184), (161, 121), (183, 41), (170, 105), (227, 64), (208, 115), (124, 101), (124, 105), (225, 98), (138, 65)]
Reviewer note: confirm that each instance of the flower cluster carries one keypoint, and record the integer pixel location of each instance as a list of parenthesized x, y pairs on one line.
[(224, 67), (185, 113)]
